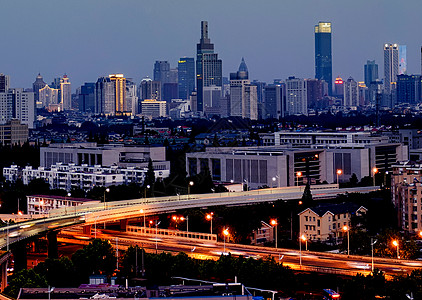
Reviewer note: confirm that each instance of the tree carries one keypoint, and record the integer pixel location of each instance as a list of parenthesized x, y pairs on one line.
[(24, 278), (58, 272), (150, 175), (95, 258), (353, 180), (307, 196)]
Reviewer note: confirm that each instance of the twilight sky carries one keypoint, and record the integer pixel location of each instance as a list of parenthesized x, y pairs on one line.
[(90, 38)]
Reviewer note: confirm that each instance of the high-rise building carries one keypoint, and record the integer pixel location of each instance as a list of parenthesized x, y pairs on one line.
[(209, 70), (351, 93), (105, 96), (243, 95), (402, 59), (17, 104), (274, 101), (65, 93), (316, 90), (323, 59), (339, 87), (48, 96), (186, 77), (391, 66), (170, 91), (87, 97), (409, 89), (37, 85), (260, 86), (4, 83), (153, 109), (120, 93), (296, 96), (212, 95), (371, 72), (150, 89), (161, 71), (132, 103)]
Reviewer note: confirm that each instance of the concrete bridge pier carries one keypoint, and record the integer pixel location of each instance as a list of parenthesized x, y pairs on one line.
[(87, 229), (19, 255), (53, 251), (4, 259), (123, 224)]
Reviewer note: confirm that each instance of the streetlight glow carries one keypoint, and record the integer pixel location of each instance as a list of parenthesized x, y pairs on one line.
[(274, 223), (346, 229), (396, 244)]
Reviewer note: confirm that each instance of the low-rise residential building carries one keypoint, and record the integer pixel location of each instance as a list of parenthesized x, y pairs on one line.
[(263, 235), (406, 193), (13, 133), (68, 176), (43, 204), (326, 222)]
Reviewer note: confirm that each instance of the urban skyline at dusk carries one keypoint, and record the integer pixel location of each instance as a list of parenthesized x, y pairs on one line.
[(87, 40)]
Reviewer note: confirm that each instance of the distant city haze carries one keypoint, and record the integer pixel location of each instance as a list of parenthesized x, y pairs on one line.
[(88, 39)]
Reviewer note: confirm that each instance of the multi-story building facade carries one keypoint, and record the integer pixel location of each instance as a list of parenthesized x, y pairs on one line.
[(323, 59), (186, 77), (296, 96), (37, 85), (69, 176), (152, 108), (43, 204), (86, 97), (326, 222), (351, 93), (274, 101), (17, 104), (13, 133), (105, 95), (48, 97), (370, 72), (149, 89), (4, 83), (120, 94), (209, 70), (65, 93), (409, 89)]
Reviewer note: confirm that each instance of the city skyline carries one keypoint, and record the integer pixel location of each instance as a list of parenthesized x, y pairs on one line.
[(85, 44)]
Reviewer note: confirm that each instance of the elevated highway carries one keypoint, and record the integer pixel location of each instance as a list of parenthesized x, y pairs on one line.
[(90, 214)]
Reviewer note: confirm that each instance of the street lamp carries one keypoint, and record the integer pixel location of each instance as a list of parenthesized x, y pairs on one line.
[(298, 174), (339, 172), (156, 236), (107, 190), (176, 219), (396, 244), (143, 212), (374, 171), (145, 192), (304, 239), (274, 223), (347, 229), (191, 183), (209, 217), (273, 181), (65, 202), (372, 252), (225, 233)]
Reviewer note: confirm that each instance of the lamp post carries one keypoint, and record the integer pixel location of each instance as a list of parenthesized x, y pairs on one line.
[(156, 236), (145, 192), (298, 174), (396, 244), (191, 183), (209, 217), (273, 181), (225, 233), (274, 223), (95, 226), (385, 179), (65, 202), (372, 252), (143, 212), (374, 171), (304, 239), (105, 191), (339, 172), (347, 229)]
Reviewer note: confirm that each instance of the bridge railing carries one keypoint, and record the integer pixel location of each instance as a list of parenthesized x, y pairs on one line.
[(169, 233)]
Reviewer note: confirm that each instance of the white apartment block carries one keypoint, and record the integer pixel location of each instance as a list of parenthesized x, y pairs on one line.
[(296, 96), (42, 204), (68, 176), (17, 104)]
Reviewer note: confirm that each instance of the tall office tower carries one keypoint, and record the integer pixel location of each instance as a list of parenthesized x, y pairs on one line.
[(371, 72), (296, 96), (339, 87), (351, 93), (316, 90), (170, 91), (65, 93), (323, 60), (48, 96), (211, 97), (363, 94), (186, 77), (37, 85), (391, 66), (4, 83), (274, 101), (86, 97), (17, 104), (243, 95), (209, 69), (173, 76), (132, 101), (105, 96), (409, 89), (150, 89), (161, 71), (120, 93), (260, 86), (402, 59)]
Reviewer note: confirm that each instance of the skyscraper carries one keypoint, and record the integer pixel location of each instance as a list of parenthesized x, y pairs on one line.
[(339, 87), (17, 104), (296, 96), (37, 85), (65, 93), (186, 76), (87, 97), (323, 60), (209, 70), (161, 71), (4, 83), (402, 59), (371, 72), (351, 93), (105, 96), (274, 101), (150, 89), (409, 89), (391, 66), (120, 93)]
